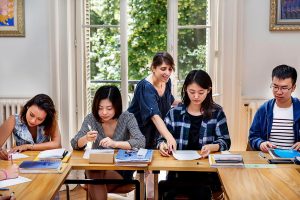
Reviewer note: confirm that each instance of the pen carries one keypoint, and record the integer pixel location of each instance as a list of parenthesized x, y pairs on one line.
[(90, 129), (262, 155), (11, 159)]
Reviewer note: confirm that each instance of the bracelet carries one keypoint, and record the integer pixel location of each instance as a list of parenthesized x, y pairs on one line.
[(5, 173)]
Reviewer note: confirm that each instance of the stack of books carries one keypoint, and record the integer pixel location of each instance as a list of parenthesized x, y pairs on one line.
[(33, 167), (226, 160), (134, 158)]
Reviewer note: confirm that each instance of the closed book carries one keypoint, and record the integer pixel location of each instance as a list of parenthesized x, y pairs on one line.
[(40, 166), (284, 153), (226, 160)]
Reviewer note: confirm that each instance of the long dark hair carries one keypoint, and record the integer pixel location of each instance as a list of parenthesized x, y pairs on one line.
[(202, 79), (112, 93), (45, 103)]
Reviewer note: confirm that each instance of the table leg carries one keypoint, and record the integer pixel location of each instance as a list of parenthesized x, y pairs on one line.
[(142, 183), (156, 173)]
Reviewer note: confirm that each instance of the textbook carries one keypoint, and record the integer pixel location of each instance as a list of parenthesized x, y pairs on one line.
[(131, 158), (54, 154), (41, 167), (226, 160), (284, 153)]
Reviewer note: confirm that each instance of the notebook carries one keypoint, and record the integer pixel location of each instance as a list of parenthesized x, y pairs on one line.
[(40, 167), (284, 153)]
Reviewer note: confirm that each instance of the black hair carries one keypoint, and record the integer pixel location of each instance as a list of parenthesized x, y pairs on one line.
[(112, 93), (163, 57), (45, 103), (284, 72), (202, 79)]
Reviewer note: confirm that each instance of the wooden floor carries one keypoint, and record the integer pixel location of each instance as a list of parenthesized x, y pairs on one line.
[(80, 194)]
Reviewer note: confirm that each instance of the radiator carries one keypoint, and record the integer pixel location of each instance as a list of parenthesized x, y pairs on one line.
[(8, 107)]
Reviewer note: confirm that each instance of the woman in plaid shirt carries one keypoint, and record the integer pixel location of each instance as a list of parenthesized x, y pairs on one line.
[(197, 124)]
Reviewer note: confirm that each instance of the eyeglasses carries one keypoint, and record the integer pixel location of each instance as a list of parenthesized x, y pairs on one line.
[(276, 88)]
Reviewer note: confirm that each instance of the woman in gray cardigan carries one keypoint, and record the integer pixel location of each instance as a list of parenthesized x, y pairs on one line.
[(108, 127)]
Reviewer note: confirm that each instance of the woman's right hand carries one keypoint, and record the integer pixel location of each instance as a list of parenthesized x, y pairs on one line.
[(91, 136), (163, 149), (171, 142), (12, 171)]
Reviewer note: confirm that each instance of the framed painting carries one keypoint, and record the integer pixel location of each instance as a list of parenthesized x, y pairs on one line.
[(12, 22), (284, 15)]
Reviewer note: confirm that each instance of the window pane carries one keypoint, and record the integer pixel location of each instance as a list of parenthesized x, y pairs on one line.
[(192, 12), (105, 12), (146, 36), (191, 51), (105, 54)]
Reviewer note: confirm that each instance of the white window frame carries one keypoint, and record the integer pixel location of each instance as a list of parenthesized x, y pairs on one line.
[(172, 38)]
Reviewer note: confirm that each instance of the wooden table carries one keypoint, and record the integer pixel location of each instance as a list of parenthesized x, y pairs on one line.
[(250, 157), (79, 163), (41, 186), (247, 183)]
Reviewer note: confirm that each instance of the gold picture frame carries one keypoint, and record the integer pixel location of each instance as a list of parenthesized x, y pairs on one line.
[(12, 22), (284, 15)]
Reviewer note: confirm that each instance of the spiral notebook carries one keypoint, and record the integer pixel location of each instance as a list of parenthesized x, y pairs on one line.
[(42, 167)]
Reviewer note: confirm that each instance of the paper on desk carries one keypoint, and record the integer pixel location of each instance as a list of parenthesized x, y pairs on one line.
[(186, 155), (87, 152), (18, 155), (15, 181)]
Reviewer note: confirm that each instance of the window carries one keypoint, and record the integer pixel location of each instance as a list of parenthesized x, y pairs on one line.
[(121, 37)]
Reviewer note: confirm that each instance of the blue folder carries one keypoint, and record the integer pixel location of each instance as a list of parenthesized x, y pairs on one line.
[(284, 153)]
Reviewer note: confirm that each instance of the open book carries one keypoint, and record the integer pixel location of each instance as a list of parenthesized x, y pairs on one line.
[(54, 154), (130, 158)]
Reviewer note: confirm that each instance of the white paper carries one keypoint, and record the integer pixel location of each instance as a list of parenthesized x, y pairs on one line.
[(15, 181), (186, 155), (18, 155), (87, 152)]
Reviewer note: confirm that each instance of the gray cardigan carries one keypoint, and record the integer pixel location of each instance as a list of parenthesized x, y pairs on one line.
[(127, 129)]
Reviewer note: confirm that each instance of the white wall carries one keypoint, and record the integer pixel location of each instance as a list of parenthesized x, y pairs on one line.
[(24, 61), (263, 50)]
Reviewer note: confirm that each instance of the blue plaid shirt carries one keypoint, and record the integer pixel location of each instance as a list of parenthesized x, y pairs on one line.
[(212, 131)]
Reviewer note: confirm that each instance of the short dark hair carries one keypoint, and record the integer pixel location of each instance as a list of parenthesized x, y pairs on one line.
[(45, 103), (163, 57), (112, 93), (284, 72), (202, 79)]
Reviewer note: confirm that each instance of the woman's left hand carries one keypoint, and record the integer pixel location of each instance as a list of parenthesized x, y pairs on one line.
[(21, 148), (207, 149), (107, 143)]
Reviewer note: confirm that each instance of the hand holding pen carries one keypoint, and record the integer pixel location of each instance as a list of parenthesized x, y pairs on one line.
[(91, 135)]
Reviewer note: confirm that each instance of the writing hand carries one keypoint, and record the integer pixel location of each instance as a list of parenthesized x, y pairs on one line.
[(205, 151), (171, 142), (91, 136), (163, 149)]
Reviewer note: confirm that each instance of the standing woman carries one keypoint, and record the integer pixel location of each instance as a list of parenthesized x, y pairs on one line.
[(108, 127), (153, 99), (35, 128), (197, 124)]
